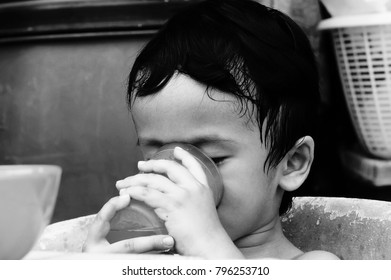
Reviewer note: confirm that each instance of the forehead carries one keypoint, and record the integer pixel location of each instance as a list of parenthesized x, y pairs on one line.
[(183, 109)]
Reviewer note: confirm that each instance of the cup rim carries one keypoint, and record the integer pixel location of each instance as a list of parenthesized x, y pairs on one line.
[(28, 169)]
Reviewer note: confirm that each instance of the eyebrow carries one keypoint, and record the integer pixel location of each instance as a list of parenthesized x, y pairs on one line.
[(196, 141)]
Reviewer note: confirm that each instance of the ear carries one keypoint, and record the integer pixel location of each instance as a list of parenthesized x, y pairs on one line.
[(296, 165)]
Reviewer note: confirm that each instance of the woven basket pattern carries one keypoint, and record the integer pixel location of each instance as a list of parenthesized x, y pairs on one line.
[(364, 59)]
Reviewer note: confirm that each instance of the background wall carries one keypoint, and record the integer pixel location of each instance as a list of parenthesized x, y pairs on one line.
[(65, 105)]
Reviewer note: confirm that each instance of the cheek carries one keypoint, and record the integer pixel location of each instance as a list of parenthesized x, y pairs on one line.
[(246, 195), (245, 179), (245, 190)]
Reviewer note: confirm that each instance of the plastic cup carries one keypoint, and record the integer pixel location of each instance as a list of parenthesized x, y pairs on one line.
[(138, 219)]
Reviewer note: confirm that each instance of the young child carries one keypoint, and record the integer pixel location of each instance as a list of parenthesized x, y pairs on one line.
[(239, 81)]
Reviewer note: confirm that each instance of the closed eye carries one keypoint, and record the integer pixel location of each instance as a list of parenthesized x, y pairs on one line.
[(219, 160)]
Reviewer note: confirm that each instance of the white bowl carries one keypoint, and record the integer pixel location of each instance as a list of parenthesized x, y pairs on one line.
[(27, 198)]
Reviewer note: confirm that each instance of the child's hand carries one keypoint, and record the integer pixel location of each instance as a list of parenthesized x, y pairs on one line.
[(181, 197), (96, 240)]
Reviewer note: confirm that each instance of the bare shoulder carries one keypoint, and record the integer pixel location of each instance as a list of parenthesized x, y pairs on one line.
[(317, 255)]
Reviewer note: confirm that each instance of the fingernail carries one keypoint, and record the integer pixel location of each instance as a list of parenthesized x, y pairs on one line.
[(168, 242), (179, 149), (119, 183), (121, 192), (123, 196), (140, 163)]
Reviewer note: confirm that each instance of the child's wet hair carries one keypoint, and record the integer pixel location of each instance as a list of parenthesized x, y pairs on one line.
[(243, 48)]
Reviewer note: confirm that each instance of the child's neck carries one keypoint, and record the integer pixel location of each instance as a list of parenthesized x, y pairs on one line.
[(267, 242)]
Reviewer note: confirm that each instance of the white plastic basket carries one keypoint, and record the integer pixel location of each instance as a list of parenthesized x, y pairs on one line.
[(363, 51)]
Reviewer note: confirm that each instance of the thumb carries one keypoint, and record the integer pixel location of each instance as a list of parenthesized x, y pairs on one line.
[(143, 244)]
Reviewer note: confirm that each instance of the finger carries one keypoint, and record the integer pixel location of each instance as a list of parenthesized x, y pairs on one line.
[(191, 164), (101, 225), (155, 181), (176, 172), (112, 206), (162, 213), (150, 196), (142, 244)]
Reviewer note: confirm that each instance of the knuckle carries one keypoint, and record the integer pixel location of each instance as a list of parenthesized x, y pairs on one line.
[(181, 193), (129, 246), (143, 177), (98, 219), (99, 225), (150, 176), (138, 176), (144, 192), (180, 198), (177, 204), (153, 186), (153, 163), (164, 163)]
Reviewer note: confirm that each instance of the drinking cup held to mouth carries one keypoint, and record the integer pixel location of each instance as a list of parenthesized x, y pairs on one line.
[(138, 219)]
